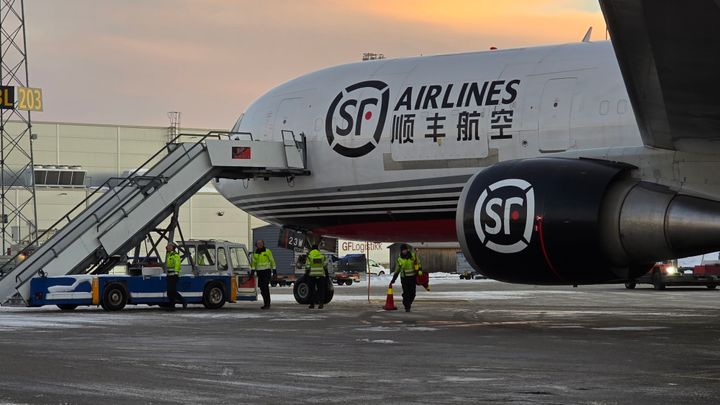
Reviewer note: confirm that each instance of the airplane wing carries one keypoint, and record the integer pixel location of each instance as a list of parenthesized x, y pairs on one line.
[(669, 55)]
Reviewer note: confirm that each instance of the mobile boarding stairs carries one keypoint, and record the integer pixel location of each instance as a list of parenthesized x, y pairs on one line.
[(124, 210)]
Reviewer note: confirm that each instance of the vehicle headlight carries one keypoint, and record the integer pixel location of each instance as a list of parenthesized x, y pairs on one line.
[(671, 270)]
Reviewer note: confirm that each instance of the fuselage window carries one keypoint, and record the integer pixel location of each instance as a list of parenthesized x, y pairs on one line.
[(604, 107)]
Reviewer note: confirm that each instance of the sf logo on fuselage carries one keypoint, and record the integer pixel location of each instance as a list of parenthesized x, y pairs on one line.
[(504, 214), (356, 118)]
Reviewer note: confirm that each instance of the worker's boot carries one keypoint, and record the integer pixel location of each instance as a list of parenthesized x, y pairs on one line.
[(311, 306), (320, 306), (184, 304), (265, 306)]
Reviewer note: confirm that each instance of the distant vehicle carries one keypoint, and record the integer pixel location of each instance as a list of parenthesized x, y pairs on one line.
[(282, 280), (667, 273), (464, 269), (346, 278), (470, 275), (358, 263)]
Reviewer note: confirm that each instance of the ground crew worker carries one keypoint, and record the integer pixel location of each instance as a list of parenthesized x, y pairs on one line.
[(200, 257), (263, 263), (172, 262), (316, 274), (409, 266)]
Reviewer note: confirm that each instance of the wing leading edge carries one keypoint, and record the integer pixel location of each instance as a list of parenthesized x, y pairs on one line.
[(669, 55)]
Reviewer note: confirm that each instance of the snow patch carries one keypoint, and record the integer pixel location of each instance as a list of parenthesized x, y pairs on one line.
[(466, 379), (378, 329), (632, 328), (327, 374), (379, 341)]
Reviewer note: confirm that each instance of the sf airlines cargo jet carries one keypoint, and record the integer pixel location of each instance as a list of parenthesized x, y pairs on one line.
[(570, 164)]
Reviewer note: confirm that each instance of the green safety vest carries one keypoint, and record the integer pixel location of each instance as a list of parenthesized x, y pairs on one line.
[(172, 261), (263, 261), (407, 266), (315, 262)]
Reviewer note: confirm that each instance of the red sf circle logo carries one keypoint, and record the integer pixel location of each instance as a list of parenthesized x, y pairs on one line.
[(359, 110), (503, 215)]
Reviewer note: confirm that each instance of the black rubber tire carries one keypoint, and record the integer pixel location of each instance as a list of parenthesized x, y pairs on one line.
[(711, 286), (301, 291), (330, 293), (382, 273), (115, 297), (348, 282), (462, 277), (657, 281), (630, 285), (214, 295), (67, 307), (274, 284)]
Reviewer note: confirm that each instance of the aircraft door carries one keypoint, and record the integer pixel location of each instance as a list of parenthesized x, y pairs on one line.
[(288, 118), (555, 111)]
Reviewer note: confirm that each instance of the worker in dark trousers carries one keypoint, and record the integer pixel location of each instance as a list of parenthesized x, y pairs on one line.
[(172, 262), (316, 274), (263, 264), (408, 266)]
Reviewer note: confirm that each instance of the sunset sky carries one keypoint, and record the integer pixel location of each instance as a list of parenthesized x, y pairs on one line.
[(132, 61)]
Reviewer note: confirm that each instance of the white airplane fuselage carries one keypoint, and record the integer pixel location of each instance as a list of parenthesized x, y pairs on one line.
[(391, 143)]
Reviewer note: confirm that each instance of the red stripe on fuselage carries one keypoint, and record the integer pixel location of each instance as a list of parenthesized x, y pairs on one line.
[(436, 230)]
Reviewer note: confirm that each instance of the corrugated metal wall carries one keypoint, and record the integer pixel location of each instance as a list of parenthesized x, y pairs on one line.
[(432, 258)]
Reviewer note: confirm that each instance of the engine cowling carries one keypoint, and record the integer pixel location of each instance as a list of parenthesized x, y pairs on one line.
[(577, 221)]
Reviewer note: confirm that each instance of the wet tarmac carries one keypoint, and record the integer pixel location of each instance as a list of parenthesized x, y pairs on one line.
[(464, 342)]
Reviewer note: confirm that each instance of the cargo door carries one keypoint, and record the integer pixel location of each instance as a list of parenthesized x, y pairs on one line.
[(555, 112), (289, 118)]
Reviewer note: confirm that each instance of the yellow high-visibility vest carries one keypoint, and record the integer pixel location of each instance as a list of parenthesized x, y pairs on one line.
[(315, 261)]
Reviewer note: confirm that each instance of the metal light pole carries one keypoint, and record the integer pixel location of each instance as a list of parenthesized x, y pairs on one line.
[(16, 154)]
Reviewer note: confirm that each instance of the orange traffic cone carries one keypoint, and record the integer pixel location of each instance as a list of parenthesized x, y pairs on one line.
[(389, 301)]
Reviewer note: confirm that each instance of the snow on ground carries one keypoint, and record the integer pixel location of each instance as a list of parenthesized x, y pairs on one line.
[(57, 320), (632, 328), (435, 278)]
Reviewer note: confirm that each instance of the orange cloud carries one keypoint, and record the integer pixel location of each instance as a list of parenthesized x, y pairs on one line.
[(522, 22)]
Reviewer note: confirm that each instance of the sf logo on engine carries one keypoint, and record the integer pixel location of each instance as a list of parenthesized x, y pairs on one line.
[(356, 118), (503, 216)]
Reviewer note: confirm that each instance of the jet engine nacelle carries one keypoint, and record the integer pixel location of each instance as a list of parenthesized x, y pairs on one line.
[(577, 221)]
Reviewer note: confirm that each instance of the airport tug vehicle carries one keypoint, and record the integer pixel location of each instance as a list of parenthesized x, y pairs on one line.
[(213, 272)]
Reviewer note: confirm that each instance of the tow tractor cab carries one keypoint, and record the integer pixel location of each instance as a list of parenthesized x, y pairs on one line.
[(212, 272)]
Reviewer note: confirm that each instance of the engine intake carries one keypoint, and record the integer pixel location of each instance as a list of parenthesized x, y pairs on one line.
[(577, 221)]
